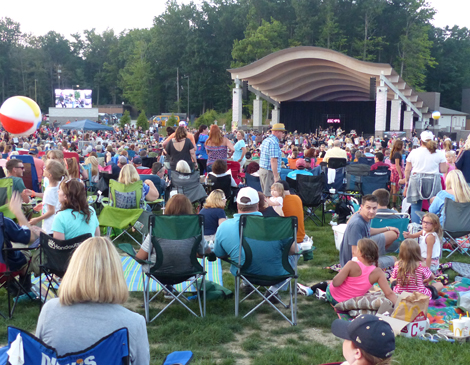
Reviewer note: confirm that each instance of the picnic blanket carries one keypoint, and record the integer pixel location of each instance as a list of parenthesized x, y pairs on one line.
[(133, 276), (461, 268), (440, 311)]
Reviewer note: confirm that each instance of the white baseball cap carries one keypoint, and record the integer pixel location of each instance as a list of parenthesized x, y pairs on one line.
[(249, 193), (426, 136)]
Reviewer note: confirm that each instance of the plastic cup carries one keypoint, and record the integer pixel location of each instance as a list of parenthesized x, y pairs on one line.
[(466, 330), (458, 327)]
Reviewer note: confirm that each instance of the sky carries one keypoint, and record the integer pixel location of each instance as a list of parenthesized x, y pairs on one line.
[(39, 17)]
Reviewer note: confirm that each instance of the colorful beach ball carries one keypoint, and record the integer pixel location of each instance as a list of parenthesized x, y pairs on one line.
[(20, 115)]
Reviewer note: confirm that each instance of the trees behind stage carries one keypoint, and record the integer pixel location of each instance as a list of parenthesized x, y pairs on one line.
[(203, 40)]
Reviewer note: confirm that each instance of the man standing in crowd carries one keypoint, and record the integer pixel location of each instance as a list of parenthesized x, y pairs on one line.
[(270, 159)]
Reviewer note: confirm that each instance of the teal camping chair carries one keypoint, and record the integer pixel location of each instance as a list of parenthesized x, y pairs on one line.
[(266, 243)]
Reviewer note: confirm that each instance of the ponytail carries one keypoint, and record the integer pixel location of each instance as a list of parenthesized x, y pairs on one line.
[(201, 129), (430, 145)]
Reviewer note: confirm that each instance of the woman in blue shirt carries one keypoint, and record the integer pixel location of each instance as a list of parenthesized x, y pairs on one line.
[(240, 150), (201, 155)]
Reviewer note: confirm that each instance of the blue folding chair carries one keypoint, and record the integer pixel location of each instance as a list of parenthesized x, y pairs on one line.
[(30, 175), (367, 160), (110, 350), (253, 182)]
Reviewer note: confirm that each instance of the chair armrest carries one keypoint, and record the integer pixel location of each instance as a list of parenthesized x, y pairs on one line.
[(232, 263), (127, 248)]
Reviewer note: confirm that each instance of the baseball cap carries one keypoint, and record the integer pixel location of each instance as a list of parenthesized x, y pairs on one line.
[(182, 124), (137, 160), (248, 193), (33, 151), (426, 136), (308, 159), (367, 332), (300, 163)]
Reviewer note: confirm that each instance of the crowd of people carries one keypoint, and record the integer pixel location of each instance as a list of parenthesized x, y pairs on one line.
[(422, 169)]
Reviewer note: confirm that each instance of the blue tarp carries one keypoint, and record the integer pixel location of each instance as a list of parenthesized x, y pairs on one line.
[(87, 125)]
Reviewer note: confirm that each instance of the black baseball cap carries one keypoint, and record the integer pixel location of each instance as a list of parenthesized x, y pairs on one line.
[(369, 333), (307, 159)]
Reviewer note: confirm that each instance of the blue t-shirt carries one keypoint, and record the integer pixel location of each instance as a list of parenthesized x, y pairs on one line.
[(238, 149), (73, 224), (437, 206), (201, 153), (211, 219)]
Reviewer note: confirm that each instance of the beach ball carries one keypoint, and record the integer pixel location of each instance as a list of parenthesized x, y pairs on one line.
[(436, 115), (20, 115)]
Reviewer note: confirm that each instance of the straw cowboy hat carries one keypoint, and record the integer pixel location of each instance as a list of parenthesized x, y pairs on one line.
[(278, 127)]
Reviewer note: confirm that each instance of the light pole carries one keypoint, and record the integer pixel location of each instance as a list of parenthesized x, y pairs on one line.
[(187, 110), (59, 71), (35, 90)]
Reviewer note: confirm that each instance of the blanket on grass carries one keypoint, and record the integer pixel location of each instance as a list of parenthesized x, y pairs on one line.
[(440, 311), (133, 276)]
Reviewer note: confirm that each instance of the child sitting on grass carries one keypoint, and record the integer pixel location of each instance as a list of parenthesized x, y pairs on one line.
[(355, 278), (410, 274)]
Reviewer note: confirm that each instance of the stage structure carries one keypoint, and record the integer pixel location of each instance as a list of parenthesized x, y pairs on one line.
[(313, 87)]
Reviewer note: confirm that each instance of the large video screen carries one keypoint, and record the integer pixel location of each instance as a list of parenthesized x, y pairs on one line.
[(70, 99)]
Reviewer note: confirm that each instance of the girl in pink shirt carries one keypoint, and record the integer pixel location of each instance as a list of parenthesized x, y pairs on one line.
[(411, 273), (357, 276)]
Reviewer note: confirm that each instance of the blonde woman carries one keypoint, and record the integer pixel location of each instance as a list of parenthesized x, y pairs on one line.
[(456, 189), (90, 304), (463, 160), (128, 176), (93, 161), (213, 213)]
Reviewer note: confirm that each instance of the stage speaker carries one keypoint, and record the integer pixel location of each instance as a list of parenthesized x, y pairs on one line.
[(373, 88), (245, 90)]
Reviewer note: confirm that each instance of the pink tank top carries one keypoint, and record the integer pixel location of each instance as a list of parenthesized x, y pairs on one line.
[(353, 286)]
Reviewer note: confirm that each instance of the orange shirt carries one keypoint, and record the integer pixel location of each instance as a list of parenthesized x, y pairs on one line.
[(292, 206)]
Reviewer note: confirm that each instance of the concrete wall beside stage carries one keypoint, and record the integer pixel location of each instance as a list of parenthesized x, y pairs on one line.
[(62, 116)]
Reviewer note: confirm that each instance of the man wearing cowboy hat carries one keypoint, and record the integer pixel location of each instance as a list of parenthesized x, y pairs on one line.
[(270, 159)]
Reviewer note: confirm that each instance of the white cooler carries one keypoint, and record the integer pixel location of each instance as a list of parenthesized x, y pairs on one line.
[(339, 233)]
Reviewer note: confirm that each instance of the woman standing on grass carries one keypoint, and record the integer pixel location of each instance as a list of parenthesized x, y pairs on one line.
[(217, 146)]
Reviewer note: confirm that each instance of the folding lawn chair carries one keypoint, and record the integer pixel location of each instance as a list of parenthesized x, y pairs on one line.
[(176, 259), (30, 175), (456, 225), (90, 185), (234, 167), (292, 183), (266, 242), (354, 174), (366, 160), (253, 182), (188, 185), (310, 191), (8, 277), (54, 258), (6, 190), (110, 350), (371, 183), (284, 173), (123, 210), (397, 220)]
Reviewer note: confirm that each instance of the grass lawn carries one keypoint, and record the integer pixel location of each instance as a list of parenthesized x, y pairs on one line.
[(263, 338)]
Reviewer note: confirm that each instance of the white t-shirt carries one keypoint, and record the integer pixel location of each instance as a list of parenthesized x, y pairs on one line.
[(425, 162), (277, 199), (51, 197)]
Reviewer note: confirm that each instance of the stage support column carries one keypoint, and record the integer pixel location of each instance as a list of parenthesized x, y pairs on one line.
[(237, 106), (276, 115), (408, 122), (380, 110), (257, 113), (395, 114)]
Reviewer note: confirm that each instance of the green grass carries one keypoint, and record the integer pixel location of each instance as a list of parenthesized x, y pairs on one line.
[(263, 338)]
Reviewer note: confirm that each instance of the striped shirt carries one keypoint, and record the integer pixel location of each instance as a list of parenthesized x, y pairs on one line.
[(415, 282), (270, 149)]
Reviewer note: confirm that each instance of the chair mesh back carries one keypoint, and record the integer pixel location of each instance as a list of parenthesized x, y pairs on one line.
[(372, 183), (57, 253), (176, 248), (336, 163), (189, 185), (6, 185), (457, 217), (310, 189), (354, 174)]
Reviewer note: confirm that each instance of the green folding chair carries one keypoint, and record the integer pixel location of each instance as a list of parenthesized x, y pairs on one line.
[(123, 210), (6, 190), (176, 260), (266, 242)]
